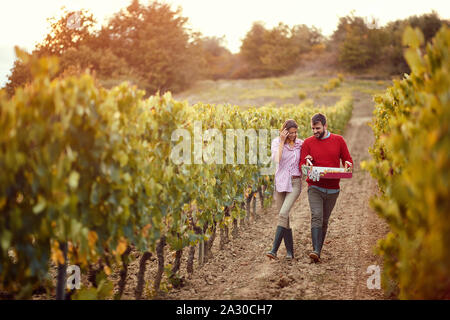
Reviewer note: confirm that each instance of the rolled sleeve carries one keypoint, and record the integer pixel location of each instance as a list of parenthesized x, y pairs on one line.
[(274, 148)]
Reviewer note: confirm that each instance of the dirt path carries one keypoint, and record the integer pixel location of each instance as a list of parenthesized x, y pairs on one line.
[(242, 271)]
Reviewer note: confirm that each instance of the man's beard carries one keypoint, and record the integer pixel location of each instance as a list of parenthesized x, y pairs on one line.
[(321, 135)]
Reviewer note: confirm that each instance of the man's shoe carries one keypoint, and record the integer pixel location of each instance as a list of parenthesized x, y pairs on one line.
[(314, 256), (272, 255)]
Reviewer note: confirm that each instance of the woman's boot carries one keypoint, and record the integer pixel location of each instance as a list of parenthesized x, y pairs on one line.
[(289, 242), (279, 234)]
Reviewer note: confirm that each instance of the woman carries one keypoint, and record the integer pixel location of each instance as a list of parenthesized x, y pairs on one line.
[(286, 153)]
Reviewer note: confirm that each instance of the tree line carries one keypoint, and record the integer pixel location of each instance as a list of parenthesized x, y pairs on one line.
[(152, 47)]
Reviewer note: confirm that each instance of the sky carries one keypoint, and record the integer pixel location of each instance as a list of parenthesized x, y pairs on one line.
[(24, 22)]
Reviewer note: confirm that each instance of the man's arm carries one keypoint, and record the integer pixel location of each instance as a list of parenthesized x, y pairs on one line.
[(303, 153)]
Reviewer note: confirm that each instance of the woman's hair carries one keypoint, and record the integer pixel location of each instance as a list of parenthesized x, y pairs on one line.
[(290, 123)]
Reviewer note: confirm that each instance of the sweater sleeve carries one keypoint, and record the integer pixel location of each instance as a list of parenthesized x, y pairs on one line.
[(345, 154), (303, 153)]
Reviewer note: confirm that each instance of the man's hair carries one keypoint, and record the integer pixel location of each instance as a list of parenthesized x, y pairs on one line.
[(318, 117)]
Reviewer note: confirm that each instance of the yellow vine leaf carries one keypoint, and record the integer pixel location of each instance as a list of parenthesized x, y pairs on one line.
[(57, 255), (121, 246), (2, 202), (145, 230), (107, 270), (92, 238)]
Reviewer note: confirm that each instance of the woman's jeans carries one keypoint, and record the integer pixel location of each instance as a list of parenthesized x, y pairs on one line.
[(285, 201)]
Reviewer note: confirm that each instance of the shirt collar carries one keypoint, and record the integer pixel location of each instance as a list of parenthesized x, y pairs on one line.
[(327, 136)]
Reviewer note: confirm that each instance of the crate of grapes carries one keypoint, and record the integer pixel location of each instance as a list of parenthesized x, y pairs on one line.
[(317, 173)]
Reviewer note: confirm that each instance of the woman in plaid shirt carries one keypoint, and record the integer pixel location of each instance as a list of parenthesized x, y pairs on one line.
[(286, 154)]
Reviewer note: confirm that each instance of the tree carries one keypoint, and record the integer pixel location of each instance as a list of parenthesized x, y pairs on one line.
[(218, 60), (251, 48), (72, 30), (358, 43), (428, 23), (277, 51), (148, 45), (351, 41), (67, 34), (155, 43), (20, 74), (306, 38)]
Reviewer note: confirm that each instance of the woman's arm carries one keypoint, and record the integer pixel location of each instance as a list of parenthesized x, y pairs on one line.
[(283, 136), (280, 152)]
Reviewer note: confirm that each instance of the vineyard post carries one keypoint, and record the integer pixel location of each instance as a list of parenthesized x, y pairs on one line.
[(160, 254), (177, 262), (261, 190), (227, 234), (141, 275), (255, 217), (190, 262), (201, 252), (124, 271), (224, 230), (235, 231), (92, 273), (247, 209), (210, 242), (62, 274), (222, 238)]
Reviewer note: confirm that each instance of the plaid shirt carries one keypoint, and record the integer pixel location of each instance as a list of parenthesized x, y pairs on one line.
[(289, 164)]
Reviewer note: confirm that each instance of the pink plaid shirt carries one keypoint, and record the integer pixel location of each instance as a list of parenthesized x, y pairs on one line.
[(289, 164)]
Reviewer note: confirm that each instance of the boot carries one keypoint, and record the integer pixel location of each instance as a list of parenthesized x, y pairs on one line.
[(316, 236), (279, 234), (289, 242)]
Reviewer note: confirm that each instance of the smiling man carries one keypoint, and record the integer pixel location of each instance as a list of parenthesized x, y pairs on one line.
[(323, 149)]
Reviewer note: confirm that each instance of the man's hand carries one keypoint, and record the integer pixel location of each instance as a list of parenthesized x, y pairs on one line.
[(309, 160), (348, 166)]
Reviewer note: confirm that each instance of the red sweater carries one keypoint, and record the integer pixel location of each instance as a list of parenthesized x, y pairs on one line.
[(325, 153)]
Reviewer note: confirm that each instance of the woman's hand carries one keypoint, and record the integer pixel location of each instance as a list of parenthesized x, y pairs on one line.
[(283, 135)]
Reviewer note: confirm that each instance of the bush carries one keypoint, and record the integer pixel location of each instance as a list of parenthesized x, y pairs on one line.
[(411, 161), (332, 84), (301, 95)]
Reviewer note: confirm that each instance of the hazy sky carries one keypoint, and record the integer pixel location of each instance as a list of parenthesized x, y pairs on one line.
[(24, 22)]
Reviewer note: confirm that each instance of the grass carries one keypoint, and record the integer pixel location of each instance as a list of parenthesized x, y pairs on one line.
[(283, 91)]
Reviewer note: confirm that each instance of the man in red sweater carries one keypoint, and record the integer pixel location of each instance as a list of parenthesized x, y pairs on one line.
[(323, 149)]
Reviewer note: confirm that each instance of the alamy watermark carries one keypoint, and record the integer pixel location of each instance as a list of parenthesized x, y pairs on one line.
[(74, 21), (209, 147), (374, 280), (73, 277)]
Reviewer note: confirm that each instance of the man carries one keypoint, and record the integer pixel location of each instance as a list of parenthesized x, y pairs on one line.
[(323, 149)]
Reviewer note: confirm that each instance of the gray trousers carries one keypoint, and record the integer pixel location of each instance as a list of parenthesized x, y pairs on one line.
[(285, 201), (321, 205)]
